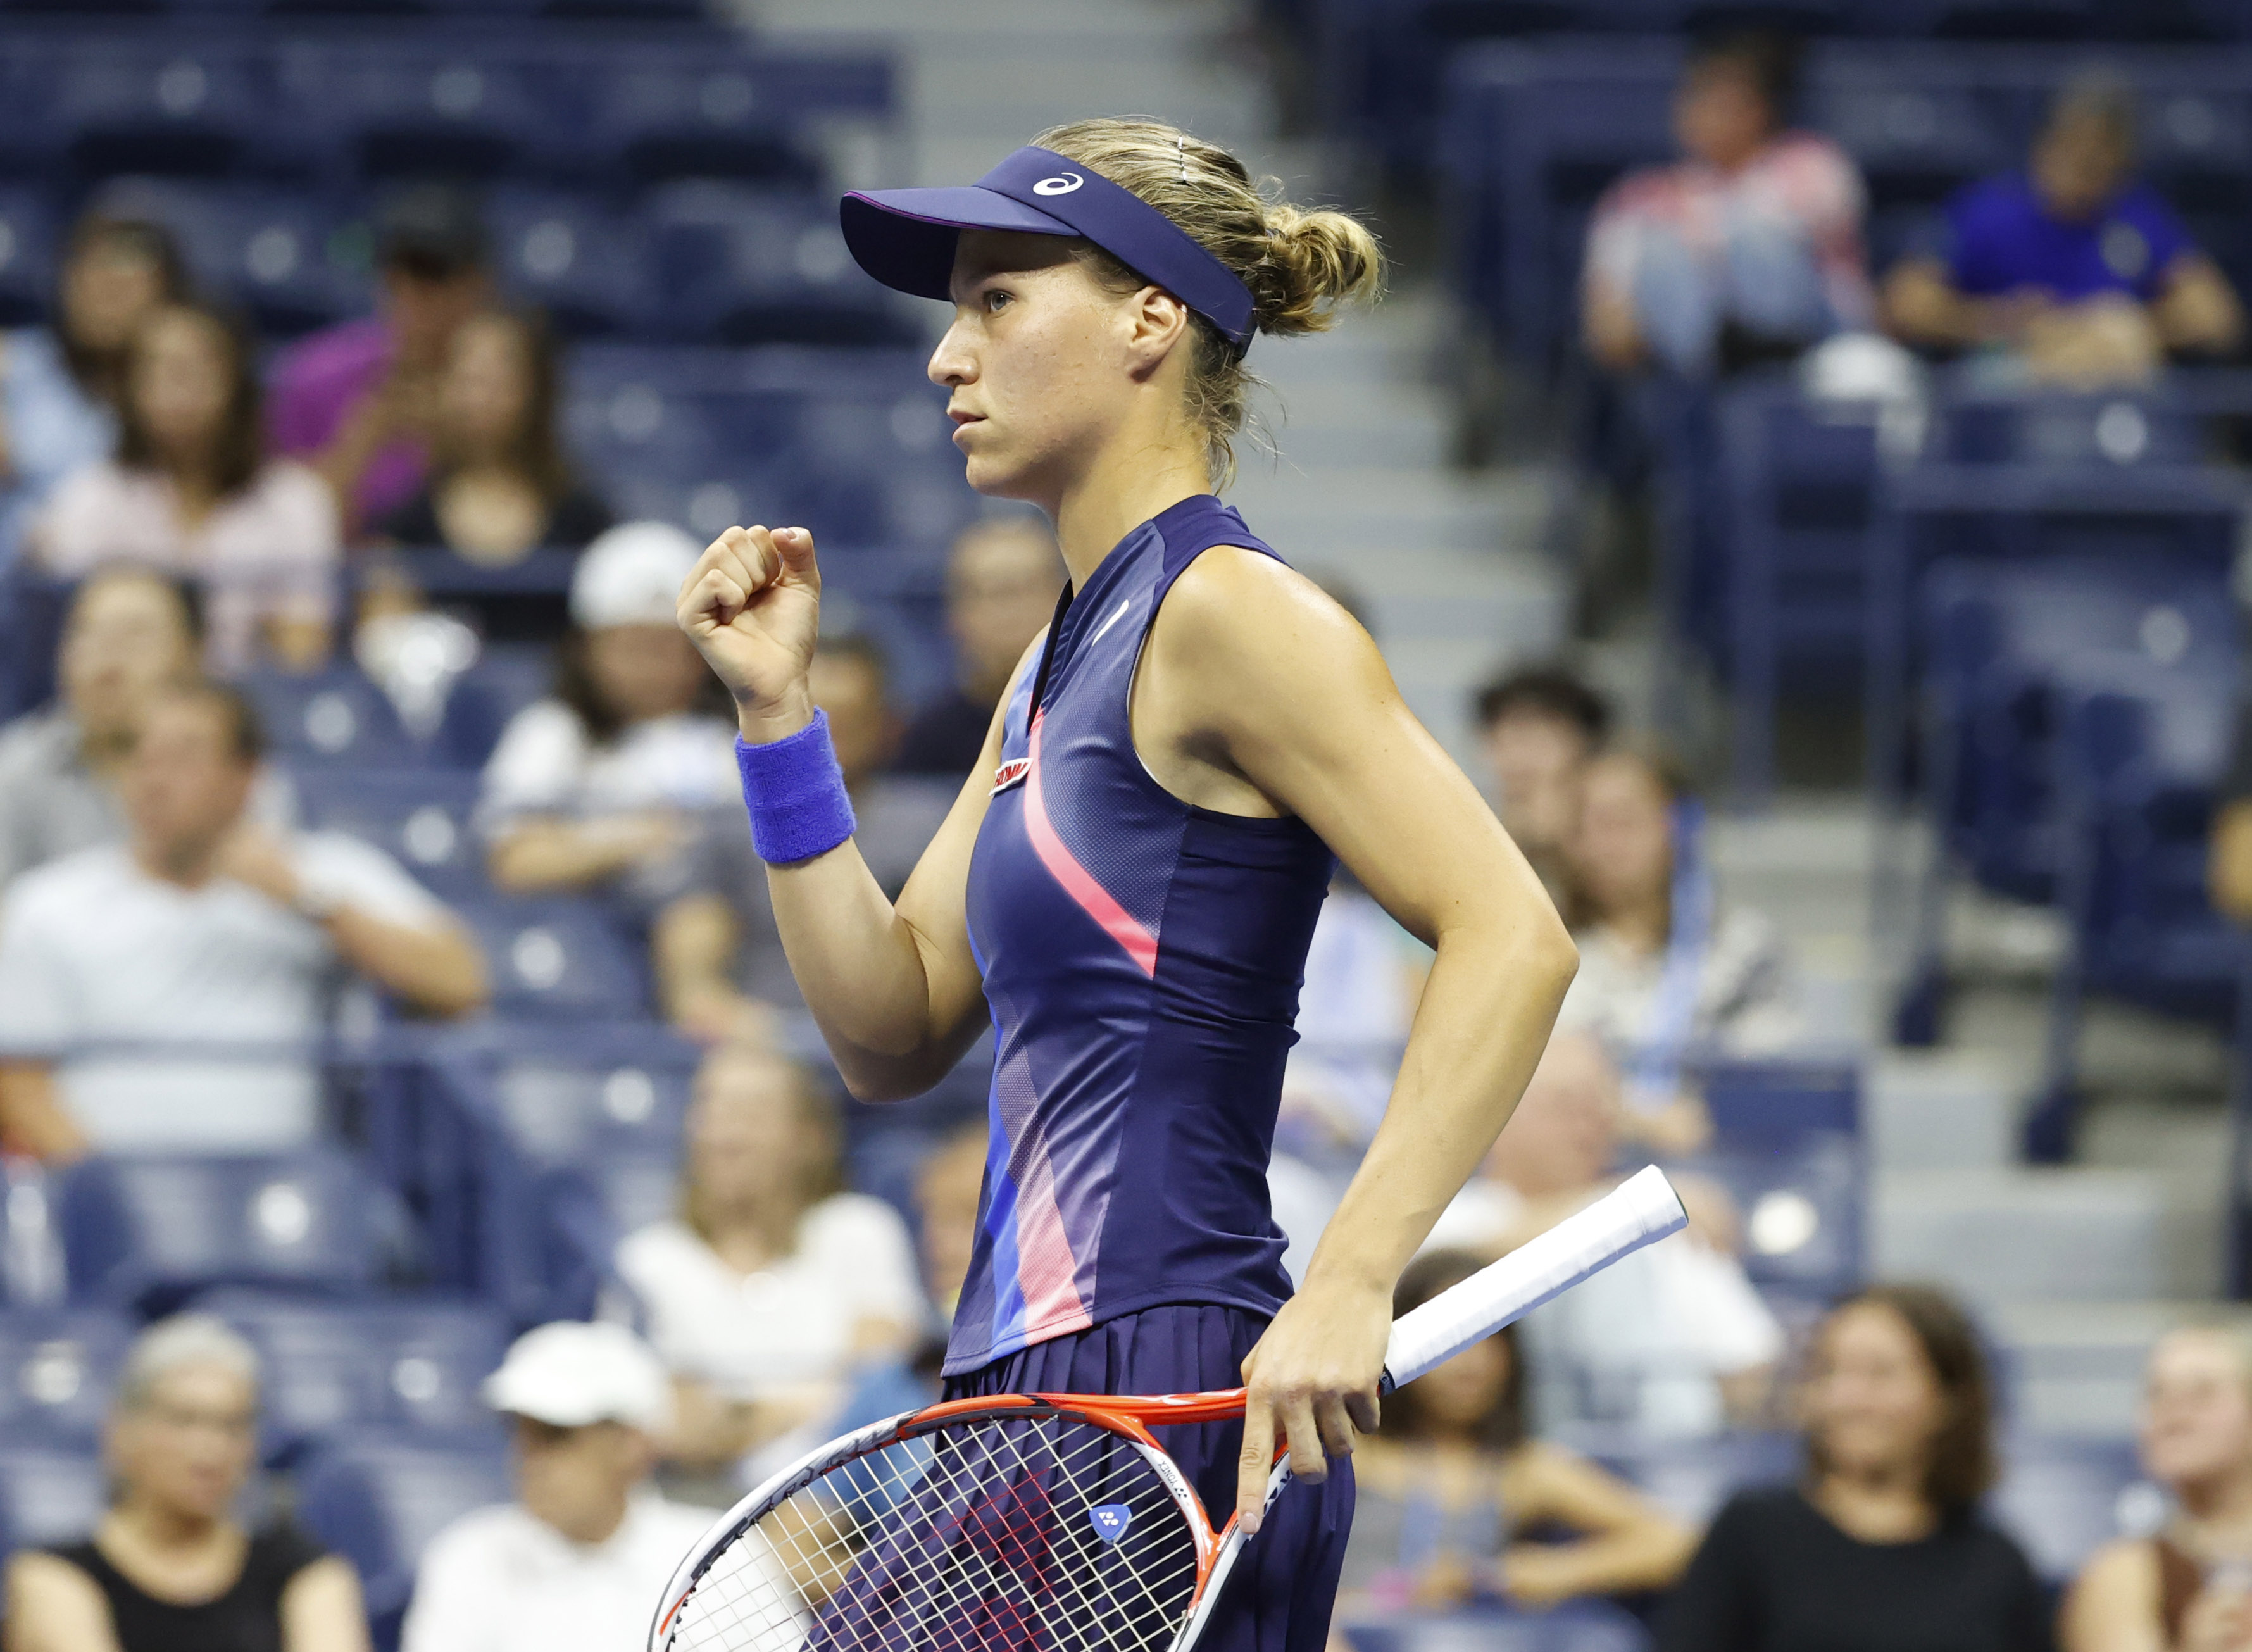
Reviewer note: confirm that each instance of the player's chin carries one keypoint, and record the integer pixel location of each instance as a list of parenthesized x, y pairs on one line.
[(990, 469)]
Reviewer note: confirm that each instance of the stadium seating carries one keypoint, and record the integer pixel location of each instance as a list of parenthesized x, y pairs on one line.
[(334, 719), (58, 1367), (380, 1502), (274, 252), (2063, 1498), (27, 254), (49, 1495), (419, 816), (581, 264), (407, 1366), (558, 959), (148, 1231)]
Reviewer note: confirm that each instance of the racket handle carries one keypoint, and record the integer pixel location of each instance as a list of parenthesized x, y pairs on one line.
[(1643, 1209)]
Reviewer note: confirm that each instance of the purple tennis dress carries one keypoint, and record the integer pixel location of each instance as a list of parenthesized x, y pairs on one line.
[(1142, 958)]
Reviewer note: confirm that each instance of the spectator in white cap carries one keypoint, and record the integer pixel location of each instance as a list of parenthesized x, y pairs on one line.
[(578, 1560), (598, 786)]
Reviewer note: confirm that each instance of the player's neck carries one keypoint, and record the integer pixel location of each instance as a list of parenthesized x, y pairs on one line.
[(1132, 482)]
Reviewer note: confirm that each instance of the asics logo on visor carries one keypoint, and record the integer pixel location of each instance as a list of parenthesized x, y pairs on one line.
[(1063, 185)]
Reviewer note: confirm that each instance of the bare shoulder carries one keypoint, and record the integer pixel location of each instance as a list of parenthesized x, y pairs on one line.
[(2123, 1569), (1250, 618)]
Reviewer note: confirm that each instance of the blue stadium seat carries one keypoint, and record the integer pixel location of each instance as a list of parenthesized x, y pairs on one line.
[(58, 1368), (49, 1497), (267, 251), (558, 960), (580, 263), (421, 817), (412, 1366), (2064, 1497), (506, 678), (1800, 481), (175, 107), (148, 1230), (558, 1107), (1756, 1104), (658, 114), (330, 718), (1595, 1626), (379, 1503), (1803, 1209), (738, 264), (27, 255), (434, 108)]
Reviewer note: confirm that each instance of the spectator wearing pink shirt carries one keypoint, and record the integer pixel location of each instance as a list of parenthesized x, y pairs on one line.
[(1748, 249), (193, 492), (358, 402)]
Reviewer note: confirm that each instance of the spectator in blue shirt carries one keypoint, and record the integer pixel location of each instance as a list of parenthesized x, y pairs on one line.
[(2072, 263)]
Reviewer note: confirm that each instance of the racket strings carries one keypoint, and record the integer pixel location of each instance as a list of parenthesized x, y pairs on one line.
[(1048, 1534)]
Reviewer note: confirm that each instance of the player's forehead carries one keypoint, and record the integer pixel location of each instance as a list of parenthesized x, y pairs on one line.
[(979, 255)]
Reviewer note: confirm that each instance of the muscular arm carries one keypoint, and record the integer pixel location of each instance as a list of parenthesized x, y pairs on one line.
[(893, 987), (321, 1609), (1256, 686)]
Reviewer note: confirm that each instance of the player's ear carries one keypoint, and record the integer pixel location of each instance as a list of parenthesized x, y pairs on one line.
[(1158, 322)]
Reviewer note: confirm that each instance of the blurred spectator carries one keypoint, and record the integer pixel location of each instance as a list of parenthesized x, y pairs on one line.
[(1883, 1546), (599, 784), (191, 490), (130, 633), (773, 1284), (1667, 967), (1748, 249), (720, 962), (948, 1187), (1452, 1481), (205, 928), (171, 1568), (2185, 1589), (359, 402), (1001, 586), (59, 386), (1539, 727), (576, 1563), (1673, 1339), (501, 486), (2084, 272)]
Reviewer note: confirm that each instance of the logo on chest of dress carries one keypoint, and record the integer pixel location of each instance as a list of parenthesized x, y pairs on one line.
[(1010, 773)]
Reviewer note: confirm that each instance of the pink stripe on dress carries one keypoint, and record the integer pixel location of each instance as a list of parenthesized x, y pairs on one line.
[(1048, 1273), (1119, 924)]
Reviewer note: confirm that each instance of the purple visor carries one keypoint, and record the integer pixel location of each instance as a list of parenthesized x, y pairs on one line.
[(905, 237)]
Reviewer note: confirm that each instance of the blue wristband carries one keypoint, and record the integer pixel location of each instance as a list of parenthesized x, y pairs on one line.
[(795, 793)]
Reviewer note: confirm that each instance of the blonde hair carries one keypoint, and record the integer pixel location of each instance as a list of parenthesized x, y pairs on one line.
[(1299, 263)]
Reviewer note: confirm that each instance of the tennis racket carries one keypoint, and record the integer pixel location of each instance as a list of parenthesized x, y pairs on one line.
[(1051, 1523)]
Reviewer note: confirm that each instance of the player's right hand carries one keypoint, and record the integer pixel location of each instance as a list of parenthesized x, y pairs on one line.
[(752, 606)]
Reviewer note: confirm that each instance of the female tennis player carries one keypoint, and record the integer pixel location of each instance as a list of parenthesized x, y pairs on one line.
[(1127, 883)]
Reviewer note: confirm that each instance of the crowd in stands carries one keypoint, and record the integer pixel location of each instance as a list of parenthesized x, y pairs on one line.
[(220, 519)]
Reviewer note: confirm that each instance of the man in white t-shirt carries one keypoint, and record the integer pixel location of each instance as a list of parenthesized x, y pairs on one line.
[(1673, 1339), (203, 929), (577, 1562)]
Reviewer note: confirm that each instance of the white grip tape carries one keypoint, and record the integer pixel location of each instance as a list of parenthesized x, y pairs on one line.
[(1641, 1210)]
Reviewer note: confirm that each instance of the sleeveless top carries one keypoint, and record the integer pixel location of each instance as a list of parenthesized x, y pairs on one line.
[(1141, 959), (246, 1618)]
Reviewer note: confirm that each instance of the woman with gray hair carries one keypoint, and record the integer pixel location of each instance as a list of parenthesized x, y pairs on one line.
[(171, 1568)]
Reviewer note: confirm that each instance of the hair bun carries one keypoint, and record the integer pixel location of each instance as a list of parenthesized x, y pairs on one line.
[(1316, 260)]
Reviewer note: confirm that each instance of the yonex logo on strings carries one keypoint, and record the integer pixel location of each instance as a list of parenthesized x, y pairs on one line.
[(1110, 1520), (1063, 185)]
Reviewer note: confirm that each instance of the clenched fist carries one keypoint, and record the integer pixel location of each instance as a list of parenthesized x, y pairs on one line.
[(753, 608)]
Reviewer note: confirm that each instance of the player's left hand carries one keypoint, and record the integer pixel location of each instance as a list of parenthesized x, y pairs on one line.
[(1311, 1379)]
